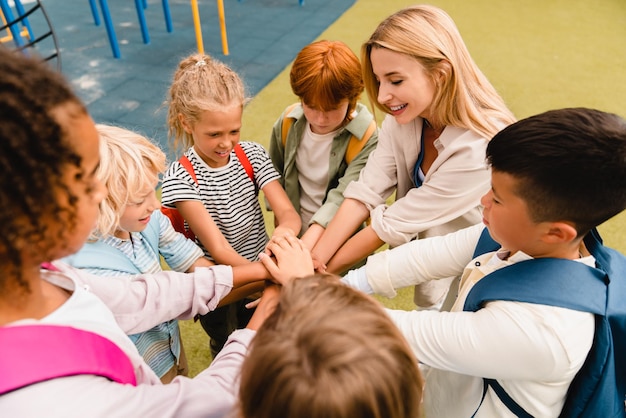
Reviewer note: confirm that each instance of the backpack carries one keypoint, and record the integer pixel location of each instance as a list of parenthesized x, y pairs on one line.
[(354, 146), (90, 256), (35, 353), (599, 387), (178, 222)]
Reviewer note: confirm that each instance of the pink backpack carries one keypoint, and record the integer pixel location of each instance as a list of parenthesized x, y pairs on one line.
[(34, 353)]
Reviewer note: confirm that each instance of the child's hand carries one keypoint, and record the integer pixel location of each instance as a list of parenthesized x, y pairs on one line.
[(318, 265), (265, 306), (282, 231), (293, 259), (279, 233)]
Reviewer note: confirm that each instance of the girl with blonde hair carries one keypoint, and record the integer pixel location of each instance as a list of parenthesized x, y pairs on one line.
[(215, 184), (441, 113)]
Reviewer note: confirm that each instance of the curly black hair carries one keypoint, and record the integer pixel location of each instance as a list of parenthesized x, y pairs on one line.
[(33, 154)]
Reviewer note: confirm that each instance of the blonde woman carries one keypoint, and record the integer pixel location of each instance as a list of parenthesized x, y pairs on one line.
[(441, 113)]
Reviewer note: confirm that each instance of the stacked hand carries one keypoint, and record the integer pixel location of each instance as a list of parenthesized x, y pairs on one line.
[(291, 259)]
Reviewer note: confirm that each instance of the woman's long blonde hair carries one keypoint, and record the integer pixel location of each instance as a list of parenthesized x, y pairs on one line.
[(463, 97)]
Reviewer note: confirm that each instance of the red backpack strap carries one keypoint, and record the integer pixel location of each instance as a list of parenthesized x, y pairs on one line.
[(187, 164), (35, 353), (173, 214), (245, 162)]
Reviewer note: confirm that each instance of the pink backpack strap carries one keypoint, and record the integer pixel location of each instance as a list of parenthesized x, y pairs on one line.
[(34, 353), (49, 266)]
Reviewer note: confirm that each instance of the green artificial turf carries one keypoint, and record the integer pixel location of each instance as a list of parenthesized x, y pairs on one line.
[(539, 55)]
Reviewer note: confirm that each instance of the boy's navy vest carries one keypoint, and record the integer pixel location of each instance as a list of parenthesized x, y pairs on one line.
[(599, 388)]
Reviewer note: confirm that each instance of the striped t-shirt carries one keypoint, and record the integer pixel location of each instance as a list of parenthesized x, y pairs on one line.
[(228, 195)]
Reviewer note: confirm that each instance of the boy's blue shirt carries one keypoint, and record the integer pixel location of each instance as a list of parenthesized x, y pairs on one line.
[(599, 388)]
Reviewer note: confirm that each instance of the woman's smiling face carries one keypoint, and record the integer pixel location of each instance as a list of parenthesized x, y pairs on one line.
[(405, 88)]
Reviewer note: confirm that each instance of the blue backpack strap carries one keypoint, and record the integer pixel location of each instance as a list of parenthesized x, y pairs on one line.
[(95, 255), (92, 254), (572, 285), (152, 232), (565, 283), (485, 244), (606, 387), (504, 397)]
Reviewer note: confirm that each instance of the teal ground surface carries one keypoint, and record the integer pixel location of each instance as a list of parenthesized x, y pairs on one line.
[(263, 37)]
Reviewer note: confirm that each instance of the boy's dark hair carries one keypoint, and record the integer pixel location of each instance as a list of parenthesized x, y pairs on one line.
[(570, 165), (33, 153)]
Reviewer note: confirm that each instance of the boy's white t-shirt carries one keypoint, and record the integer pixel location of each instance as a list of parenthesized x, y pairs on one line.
[(312, 163), (533, 350)]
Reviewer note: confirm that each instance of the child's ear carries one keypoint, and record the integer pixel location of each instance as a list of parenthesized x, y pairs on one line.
[(560, 232), (183, 122)]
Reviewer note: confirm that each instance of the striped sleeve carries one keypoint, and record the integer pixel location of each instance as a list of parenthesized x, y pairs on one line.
[(178, 252), (178, 185), (264, 171)]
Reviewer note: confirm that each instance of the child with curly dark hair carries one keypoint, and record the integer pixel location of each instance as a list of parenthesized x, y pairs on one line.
[(63, 331)]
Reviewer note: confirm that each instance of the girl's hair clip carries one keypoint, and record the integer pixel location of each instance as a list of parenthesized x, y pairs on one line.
[(200, 63)]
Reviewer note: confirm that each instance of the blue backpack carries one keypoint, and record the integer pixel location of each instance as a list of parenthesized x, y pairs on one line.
[(100, 255), (599, 388)]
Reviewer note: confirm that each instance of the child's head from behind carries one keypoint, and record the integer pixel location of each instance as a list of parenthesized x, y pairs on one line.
[(326, 76), (428, 40), (329, 351), (130, 166), (48, 157), (201, 86), (566, 165)]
